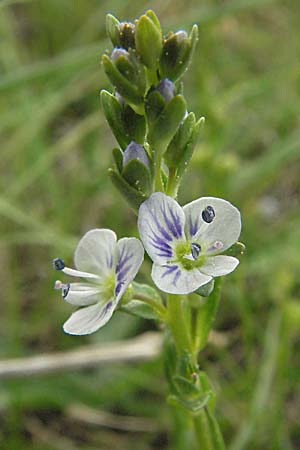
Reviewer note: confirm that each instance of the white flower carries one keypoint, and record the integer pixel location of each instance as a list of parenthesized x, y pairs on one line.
[(108, 267), (183, 242)]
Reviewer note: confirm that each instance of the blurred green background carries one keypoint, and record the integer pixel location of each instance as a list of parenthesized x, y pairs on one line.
[(55, 151)]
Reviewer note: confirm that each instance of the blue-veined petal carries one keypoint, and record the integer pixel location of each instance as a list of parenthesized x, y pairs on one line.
[(96, 252), (89, 319), (217, 266), (130, 258), (161, 225), (224, 229), (175, 280)]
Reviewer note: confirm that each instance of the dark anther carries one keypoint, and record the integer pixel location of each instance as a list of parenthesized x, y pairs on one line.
[(58, 264), (208, 214), (65, 290), (195, 250)]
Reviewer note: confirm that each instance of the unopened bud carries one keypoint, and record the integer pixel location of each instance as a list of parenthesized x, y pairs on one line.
[(137, 152), (126, 32), (117, 53), (166, 89)]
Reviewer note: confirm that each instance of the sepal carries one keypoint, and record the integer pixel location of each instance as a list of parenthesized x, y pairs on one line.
[(138, 176), (134, 197), (124, 122), (206, 289), (237, 249)]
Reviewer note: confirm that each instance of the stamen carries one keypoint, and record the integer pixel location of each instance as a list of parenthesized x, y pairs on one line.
[(208, 214), (78, 273), (65, 290), (195, 250), (65, 287), (58, 264)]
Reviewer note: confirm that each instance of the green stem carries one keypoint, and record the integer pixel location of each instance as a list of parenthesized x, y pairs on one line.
[(170, 190), (207, 430), (158, 186), (159, 308), (177, 323), (205, 316)]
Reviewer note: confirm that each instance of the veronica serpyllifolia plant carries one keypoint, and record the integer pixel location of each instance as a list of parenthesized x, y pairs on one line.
[(155, 140)]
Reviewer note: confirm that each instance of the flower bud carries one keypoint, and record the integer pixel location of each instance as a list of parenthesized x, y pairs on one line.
[(136, 168), (120, 33), (127, 35), (126, 74), (117, 53), (177, 53), (166, 89), (137, 152)]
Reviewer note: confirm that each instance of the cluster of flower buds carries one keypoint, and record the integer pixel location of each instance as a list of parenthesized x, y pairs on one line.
[(147, 111)]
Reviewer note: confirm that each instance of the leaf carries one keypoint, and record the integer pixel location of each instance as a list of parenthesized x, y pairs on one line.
[(171, 116), (140, 309), (114, 115), (148, 41), (134, 197)]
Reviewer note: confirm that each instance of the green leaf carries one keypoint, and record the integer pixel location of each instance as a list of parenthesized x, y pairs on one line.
[(178, 144), (151, 14), (185, 386), (165, 126), (138, 176), (112, 29), (190, 147), (114, 115), (146, 290), (140, 309), (154, 105), (133, 197), (134, 125), (118, 158), (193, 406), (207, 313), (148, 41)]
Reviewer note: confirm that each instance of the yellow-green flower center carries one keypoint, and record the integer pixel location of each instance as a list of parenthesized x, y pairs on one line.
[(182, 250), (108, 285)]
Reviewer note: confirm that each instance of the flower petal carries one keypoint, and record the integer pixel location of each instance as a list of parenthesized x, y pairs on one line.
[(216, 266), (175, 280), (96, 252), (82, 294), (161, 224), (225, 228), (90, 319), (130, 258)]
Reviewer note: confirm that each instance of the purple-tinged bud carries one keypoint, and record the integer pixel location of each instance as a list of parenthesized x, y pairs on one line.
[(166, 89), (119, 98), (117, 52), (126, 34), (135, 151), (181, 35)]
